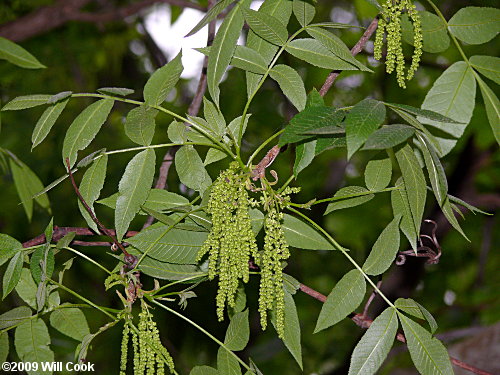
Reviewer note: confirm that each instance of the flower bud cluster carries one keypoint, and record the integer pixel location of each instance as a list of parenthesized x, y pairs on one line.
[(391, 24), (231, 241)]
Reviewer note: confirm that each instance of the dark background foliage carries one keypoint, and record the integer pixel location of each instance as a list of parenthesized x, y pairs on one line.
[(461, 291)]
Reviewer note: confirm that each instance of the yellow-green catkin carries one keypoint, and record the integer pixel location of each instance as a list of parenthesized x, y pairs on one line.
[(390, 25), (124, 349), (231, 241)]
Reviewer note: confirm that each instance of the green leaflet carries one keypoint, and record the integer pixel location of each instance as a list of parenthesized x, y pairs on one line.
[(378, 173), (27, 185), (162, 81), (401, 206), (428, 353), (361, 122), (384, 250), (158, 199), (84, 129), (70, 322), (450, 216), (59, 97), (140, 125), (214, 118), (291, 84), (434, 32), (4, 346), (488, 66), (91, 186), (32, 341), (422, 113), (388, 136), (177, 132), (191, 170), (247, 59), (14, 316), (344, 298), (435, 169), (266, 26), (301, 235), (26, 288), (238, 332), (452, 95), (315, 53), (203, 370), (304, 155), (372, 349), (17, 55), (46, 121), (42, 254), (169, 271), (415, 309), (120, 91), (223, 48), (415, 184), (12, 274), (175, 246), (8, 247), (303, 11), (226, 363), (210, 15), (214, 155), (26, 101), (492, 105), (475, 25), (134, 189), (347, 197)]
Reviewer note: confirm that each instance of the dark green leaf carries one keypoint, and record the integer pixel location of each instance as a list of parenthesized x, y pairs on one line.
[(423, 113), (327, 130), (372, 349), (378, 173), (388, 136), (349, 196), (238, 332), (14, 316), (437, 176), (70, 322), (120, 91), (384, 250), (291, 337), (169, 271), (17, 55), (12, 274), (27, 101), (84, 129), (303, 11), (32, 344), (66, 240), (158, 199), (301, 235), (46, 121), (266, 26), (450, 216), (475, 25), (134, 189), (140, 124), (434, 32), (401, 206), (8, 247), (361, 122), (469, 206), (344, 298), (304, 155), (291, 84), (415, 309), (42, 263), (162, 81), (315, 53), (4, 346), (191, 170), (26, 288), (489, 66), (492, 105)]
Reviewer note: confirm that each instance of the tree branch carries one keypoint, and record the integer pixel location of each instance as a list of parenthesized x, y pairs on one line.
[(48, 18)]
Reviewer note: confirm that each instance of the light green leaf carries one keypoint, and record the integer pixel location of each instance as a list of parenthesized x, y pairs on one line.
[(303, 11), (384, 250), (59, 97), (304, 155), (344, 298), (162, 81), (8, 247), (191, 170), (32, 341), (140, 124), (301, 235), (247, 59), (234, 126), (46, 121), (423, 113), (66, 240), (401, 206), (388, 136), (91, 186), (158, 199), (281, 10), (84, 129), (450, 216), (226, 363), (434, 32), (169, 271), (361, 122), (134, 189), (266, 26), (327, 130), (4, 346), (26, 288), (42, 261), (489, 66), (291, 84), (175, 246), (238, 332), (291, 337), (177, 132), (214, 118), (12, 274), (203, 370), (310, 118), (452, 95), (475, 25), (437, 175), (428, 353), (415, 309), (336, 46), (415, 184), (70, 322), (223, 48), (378, 173), (214, 155), (349, 196), (372, 349), (27, 101), (315, 53), (210, 15), (492, 105), (17, 55), (120, 91), (14, 316)]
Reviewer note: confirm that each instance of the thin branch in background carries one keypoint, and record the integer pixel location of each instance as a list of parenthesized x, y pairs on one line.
[(370, 299), (130, 259)]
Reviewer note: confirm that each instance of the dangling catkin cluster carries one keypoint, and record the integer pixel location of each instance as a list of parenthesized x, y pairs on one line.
[(391, 23), (231, 241), (150, 355)]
